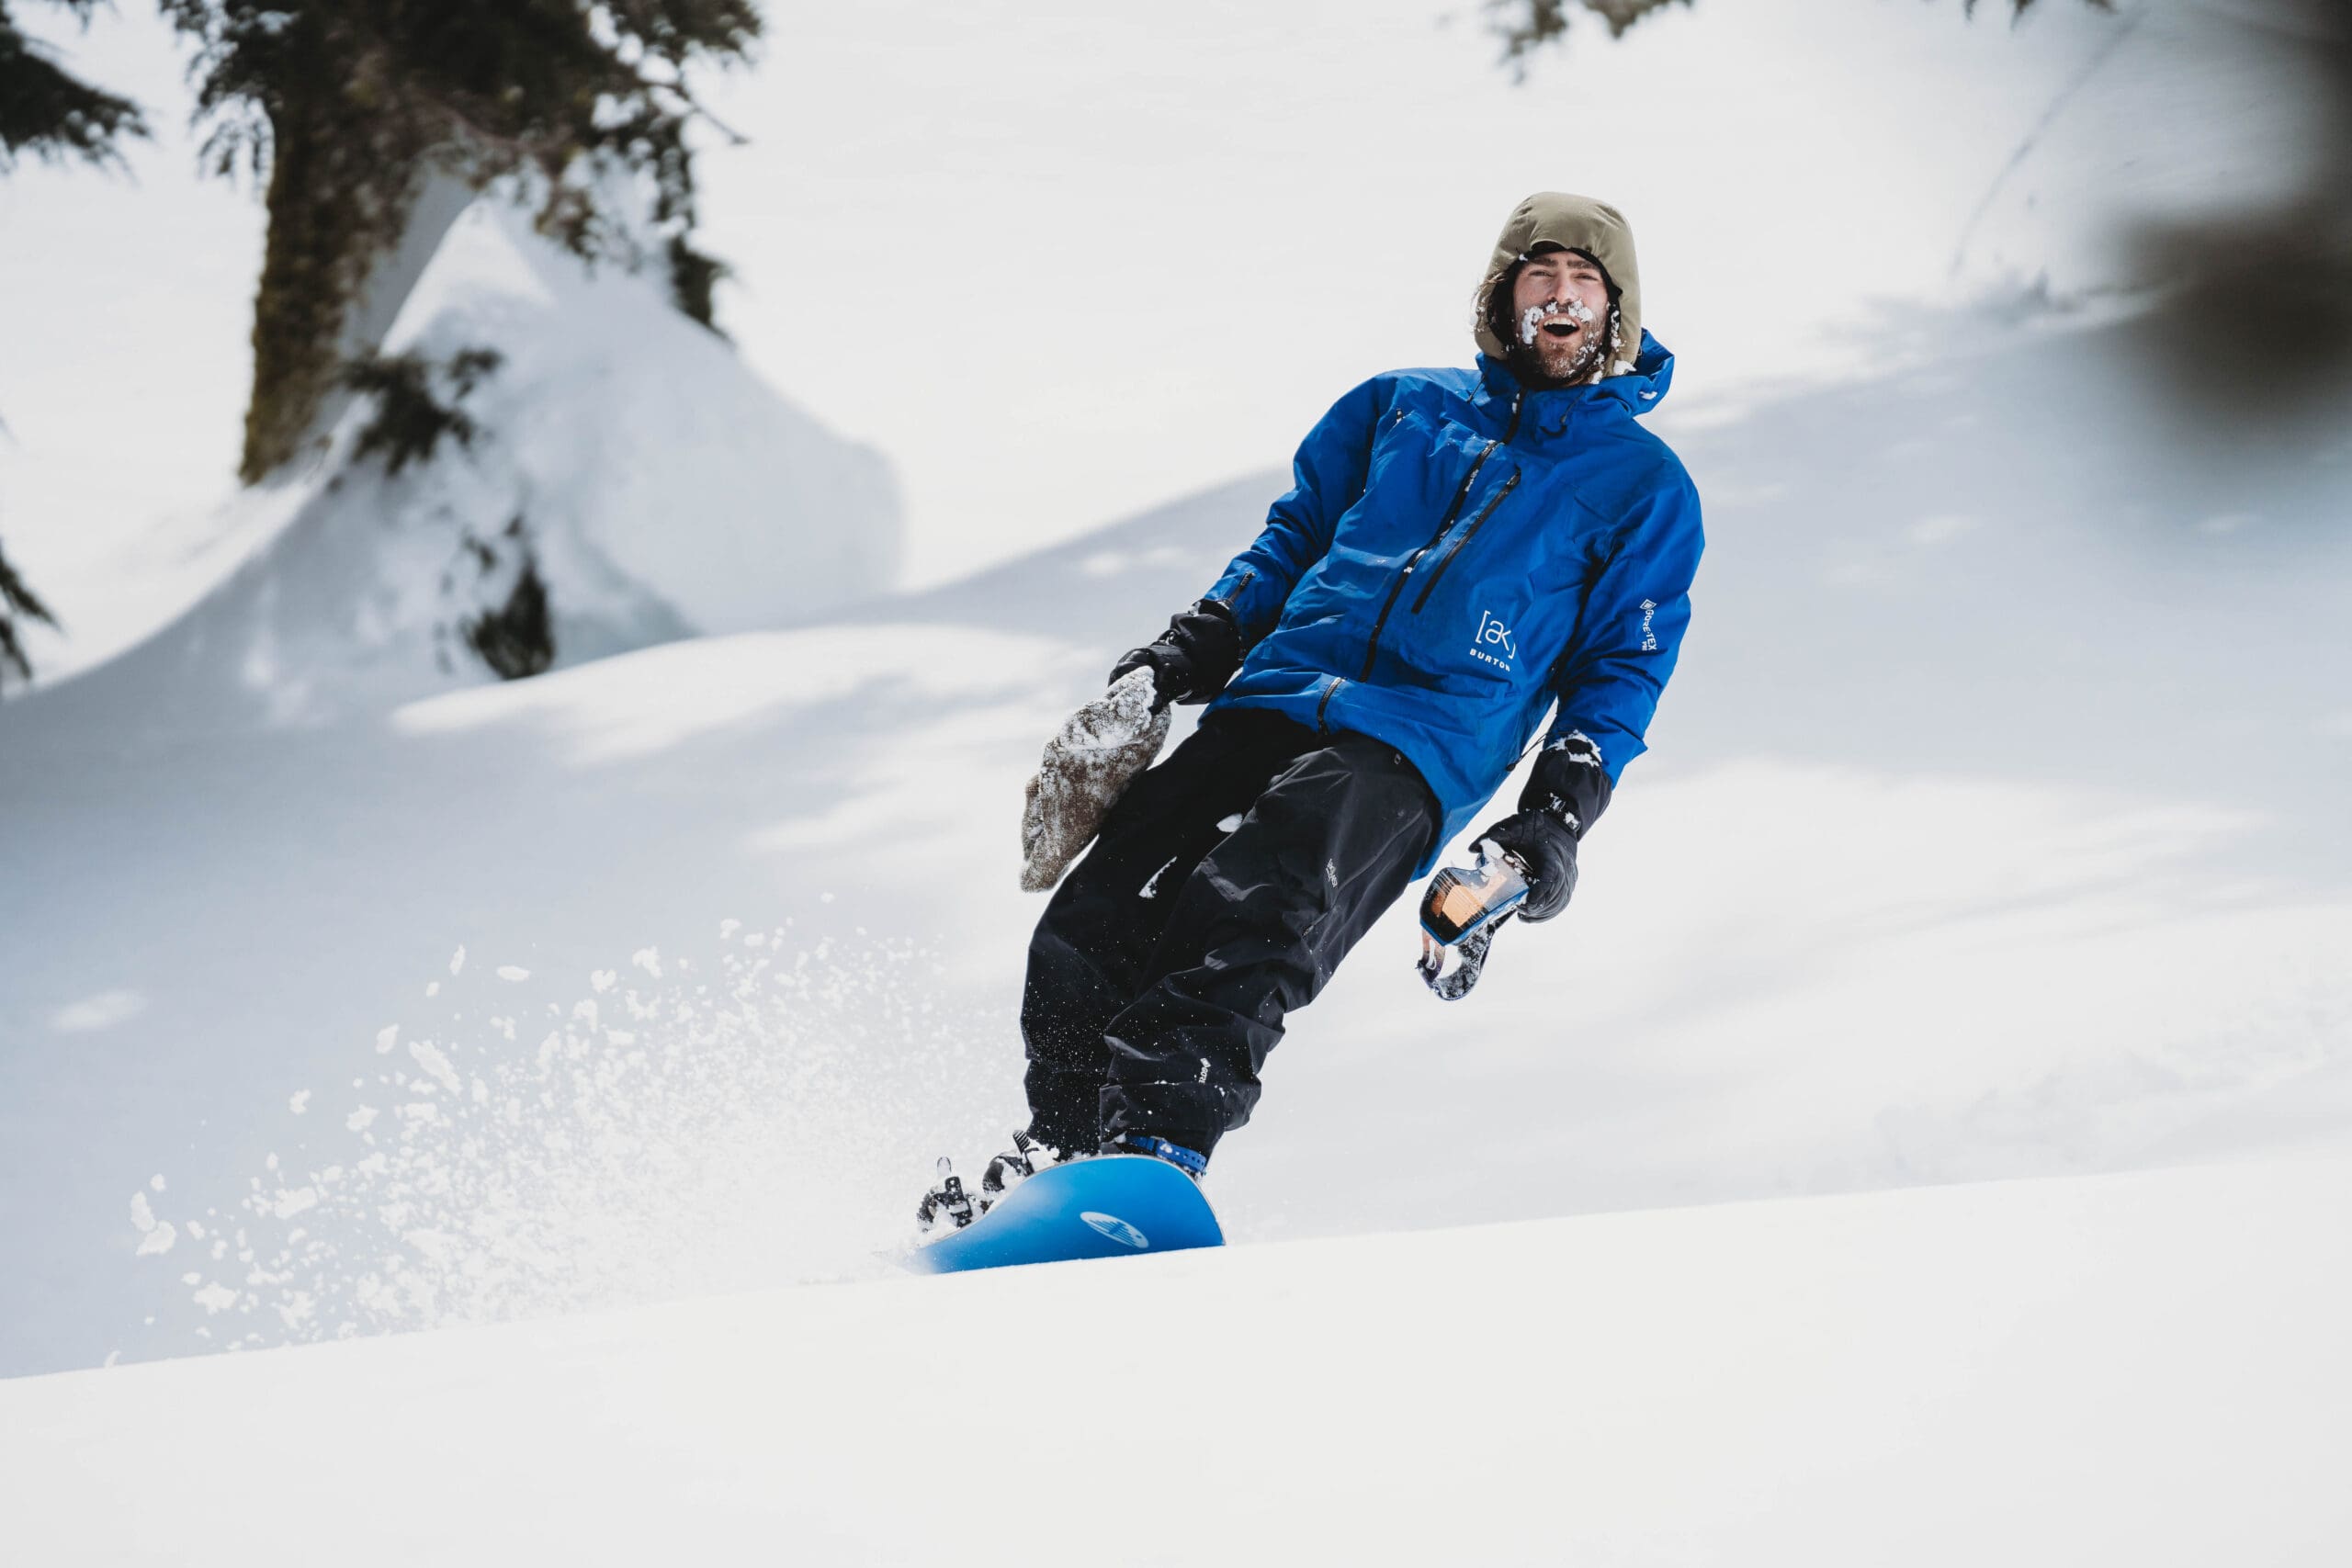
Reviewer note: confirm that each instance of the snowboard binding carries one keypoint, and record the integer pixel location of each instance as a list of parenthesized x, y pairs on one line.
[(1024, 1160), (946, 1200), (950, 1206)]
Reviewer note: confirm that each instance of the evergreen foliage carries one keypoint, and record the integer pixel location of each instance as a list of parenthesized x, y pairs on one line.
[(410, 422), (346, 105), (1525, 26), (512, 627), (51, 114), (516, 637), (48, 113), (695, 278), (16, 601)]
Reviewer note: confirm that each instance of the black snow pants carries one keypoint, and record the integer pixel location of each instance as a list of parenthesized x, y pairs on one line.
[(1226, 886)]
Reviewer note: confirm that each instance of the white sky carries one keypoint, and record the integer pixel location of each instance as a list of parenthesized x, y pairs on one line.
[(1061, 261)]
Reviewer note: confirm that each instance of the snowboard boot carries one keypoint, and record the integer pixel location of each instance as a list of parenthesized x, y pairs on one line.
[(1024, 1160), (946, 1203), (1192, 1162)]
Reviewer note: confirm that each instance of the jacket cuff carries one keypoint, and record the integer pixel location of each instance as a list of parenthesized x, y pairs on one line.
[(1569, 782), (1209, 640), (1195, 657)]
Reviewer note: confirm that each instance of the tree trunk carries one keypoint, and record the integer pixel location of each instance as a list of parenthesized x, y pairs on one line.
[(347, 241)]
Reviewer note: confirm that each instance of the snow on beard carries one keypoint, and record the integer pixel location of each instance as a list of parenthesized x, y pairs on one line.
[(1589, 352), (1531, 320)]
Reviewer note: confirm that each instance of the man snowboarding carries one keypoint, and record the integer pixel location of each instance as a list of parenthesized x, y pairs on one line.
[(1462, 550)]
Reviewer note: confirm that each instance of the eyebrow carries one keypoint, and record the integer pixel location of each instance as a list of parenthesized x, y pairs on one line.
[(1563, 258)]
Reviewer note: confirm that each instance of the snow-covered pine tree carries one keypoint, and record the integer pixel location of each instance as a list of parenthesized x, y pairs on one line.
[(509, 625), (373, 121)]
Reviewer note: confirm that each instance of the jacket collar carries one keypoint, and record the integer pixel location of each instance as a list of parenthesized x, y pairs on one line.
[(1549, 411)]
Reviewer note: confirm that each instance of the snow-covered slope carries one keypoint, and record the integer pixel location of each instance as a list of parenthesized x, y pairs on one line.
[(2146, 1369), (1992, 830)]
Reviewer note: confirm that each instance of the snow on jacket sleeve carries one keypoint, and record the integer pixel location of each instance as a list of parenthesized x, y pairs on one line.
[(1328, 477), (1607, 683)]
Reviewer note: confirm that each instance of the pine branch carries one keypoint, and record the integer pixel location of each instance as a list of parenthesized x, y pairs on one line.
[(694, 107), (1526, 26), (17, 599), (52, 115)]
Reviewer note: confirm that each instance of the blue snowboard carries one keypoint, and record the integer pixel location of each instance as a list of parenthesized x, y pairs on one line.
[(1110, 1206)]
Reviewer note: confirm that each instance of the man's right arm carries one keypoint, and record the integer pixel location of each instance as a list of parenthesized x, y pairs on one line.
[(1204, 645)]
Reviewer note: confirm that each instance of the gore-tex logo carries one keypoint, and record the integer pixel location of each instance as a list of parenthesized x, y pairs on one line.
[(1493, 642), (1649, 636)]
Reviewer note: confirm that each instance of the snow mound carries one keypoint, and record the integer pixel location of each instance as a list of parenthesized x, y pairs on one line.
[(648, 483)]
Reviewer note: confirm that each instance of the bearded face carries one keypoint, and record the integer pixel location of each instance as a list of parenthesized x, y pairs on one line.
[(1561, 323)]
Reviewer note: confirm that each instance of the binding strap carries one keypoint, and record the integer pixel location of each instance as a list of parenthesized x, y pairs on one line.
[(1190, 1161)]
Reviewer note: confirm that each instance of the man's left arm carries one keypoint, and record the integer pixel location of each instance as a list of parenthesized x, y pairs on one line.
[(1607, 684)]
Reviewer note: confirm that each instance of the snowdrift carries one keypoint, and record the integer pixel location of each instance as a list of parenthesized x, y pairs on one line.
[(652, 485)]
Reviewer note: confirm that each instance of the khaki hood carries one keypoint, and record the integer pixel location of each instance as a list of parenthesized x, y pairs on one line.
[(1579, 224)]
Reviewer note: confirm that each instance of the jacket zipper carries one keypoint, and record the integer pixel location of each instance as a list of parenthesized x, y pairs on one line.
[(1461, 539), (1372, 648), (1325, 705)]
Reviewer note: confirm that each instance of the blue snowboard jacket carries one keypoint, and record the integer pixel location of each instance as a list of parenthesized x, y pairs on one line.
[(1458, 556)]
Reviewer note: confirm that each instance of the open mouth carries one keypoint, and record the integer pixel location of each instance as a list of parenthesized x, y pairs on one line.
[(1557, 321)]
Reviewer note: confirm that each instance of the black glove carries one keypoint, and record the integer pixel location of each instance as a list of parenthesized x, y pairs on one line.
[(1566, 793), (1194, 658)]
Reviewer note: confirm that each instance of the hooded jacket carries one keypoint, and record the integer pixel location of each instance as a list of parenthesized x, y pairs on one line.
[(1459, 556)]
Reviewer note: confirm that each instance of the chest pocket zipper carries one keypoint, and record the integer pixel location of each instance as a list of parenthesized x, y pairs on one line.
[(1397, 590), (1461, 539)]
